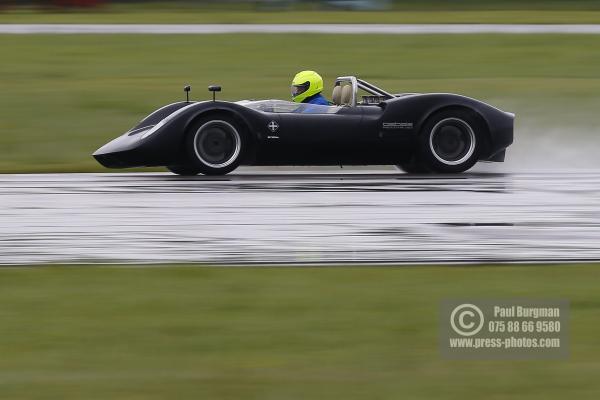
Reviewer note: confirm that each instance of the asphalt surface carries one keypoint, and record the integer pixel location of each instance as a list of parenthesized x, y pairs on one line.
[(202, 29), (291, 216)]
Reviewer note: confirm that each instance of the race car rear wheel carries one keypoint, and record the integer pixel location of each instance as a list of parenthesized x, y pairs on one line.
[(215, 145), (449, 141)]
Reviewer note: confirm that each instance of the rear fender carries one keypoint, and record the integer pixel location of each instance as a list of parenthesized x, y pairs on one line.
[(485, 150)]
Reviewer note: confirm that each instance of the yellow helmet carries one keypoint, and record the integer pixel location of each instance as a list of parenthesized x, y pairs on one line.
[(306, 84)]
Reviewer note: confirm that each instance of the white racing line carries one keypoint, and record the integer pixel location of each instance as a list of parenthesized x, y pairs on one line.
[(204, 29)]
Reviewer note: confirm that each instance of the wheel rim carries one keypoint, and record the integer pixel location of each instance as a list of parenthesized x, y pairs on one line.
[(452, 141), (217, 144)]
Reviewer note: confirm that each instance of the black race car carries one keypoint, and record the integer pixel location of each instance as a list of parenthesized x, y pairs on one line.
[(436, 132)]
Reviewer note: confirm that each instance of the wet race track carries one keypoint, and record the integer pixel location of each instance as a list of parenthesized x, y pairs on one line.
[(288, 217)]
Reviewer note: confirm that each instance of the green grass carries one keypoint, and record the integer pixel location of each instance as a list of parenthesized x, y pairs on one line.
[(426, 11), (269, 333), (65, 96)]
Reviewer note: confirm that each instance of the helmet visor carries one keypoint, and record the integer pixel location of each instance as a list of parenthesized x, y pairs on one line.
[(299, 89)]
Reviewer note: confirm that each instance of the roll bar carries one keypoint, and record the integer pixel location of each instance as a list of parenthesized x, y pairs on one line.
[(364, 85)]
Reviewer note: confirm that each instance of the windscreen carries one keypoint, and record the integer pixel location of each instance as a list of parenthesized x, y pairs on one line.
[(282, 106)]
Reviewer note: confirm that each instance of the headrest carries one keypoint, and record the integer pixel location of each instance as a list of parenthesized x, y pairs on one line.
[(347, 95), (336, 97)]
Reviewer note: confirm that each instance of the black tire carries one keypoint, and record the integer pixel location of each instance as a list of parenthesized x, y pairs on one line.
[(449, 141), (413, 167), (183, 170), (215, 144)]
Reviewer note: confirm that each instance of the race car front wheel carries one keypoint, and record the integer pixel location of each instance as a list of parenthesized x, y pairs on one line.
[(413, 167), (449, 141), (215, 145), (183, 170)]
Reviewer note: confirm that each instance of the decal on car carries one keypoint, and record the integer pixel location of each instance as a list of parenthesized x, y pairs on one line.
[(273, 126), (397, 125)]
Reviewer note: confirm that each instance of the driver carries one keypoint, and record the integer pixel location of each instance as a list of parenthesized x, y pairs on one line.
[(307, 87)]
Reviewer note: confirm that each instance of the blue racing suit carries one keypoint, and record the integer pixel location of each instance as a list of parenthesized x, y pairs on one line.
[(316, 99)]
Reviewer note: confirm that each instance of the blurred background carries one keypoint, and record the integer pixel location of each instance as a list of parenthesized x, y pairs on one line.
[(279, 333), (250, 4), (297, 5), (65, 95), (312, 4)]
